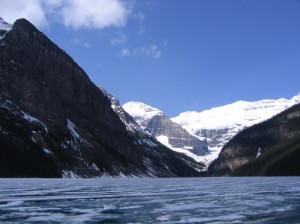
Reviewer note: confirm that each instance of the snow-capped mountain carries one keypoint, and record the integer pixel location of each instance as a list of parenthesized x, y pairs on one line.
[(130, 123), (215, 126), (4, 27), (218, 125), (142, 113), (144, 137), (166, 131)]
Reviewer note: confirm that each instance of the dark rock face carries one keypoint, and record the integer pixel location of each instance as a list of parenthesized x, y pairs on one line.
[(178, 137), (268, 148), (215, 137), (63, 116), (165, 130)]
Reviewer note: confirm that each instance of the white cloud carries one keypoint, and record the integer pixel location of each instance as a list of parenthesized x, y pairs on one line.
[(120, 40), (76, 14), (149, 51), (93, 13), (32, 10)]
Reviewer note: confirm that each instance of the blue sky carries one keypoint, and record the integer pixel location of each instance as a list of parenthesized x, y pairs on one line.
[(176, 55)]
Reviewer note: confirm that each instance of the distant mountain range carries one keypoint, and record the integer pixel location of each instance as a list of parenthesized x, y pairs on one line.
[(214, 127)]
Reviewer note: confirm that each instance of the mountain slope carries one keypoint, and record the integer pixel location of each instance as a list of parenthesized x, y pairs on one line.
[(144, 137), (4, 28), (219, 125), (166, 131), (53, 114), (269, 148)]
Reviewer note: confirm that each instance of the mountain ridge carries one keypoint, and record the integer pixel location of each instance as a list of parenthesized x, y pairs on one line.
[(65, 120), (220, 124), (167, 132), (217, 125)]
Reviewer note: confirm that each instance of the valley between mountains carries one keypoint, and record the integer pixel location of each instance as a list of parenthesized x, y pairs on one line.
[(54, 122)]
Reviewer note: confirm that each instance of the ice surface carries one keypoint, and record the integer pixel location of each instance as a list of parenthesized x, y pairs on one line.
[(150, 200)]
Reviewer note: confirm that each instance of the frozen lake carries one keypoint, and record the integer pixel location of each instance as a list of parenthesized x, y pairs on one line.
[(175, 200)]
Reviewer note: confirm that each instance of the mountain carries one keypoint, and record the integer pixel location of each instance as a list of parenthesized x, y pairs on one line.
[(132, 127), (269, 148), (219, 125), (54, 122), (146, 137), (4, 27), (166, 131)]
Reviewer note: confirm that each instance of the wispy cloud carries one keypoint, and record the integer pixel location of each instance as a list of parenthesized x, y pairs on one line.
[(78, 41), (76, 14), (125, 52), (149, 51), (87, 45), (140, 17), (120, 40)]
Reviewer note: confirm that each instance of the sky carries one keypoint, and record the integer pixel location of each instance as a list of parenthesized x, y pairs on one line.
[(176, 55)]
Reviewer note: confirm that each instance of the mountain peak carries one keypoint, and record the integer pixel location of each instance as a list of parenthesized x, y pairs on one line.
[(138, 109), (23, 24), (167, 132), (4, 25), (4, 28)]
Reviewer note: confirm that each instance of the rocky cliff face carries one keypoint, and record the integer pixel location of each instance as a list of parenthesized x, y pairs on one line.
[(166, 131), (161, 125), (268, 148), (52, 112)]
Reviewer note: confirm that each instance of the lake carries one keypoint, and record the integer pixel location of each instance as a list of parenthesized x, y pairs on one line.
[(151, 200)]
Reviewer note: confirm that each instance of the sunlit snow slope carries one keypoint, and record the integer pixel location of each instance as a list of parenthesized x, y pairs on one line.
[(4, 27), (167, 132), (218, 125)]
